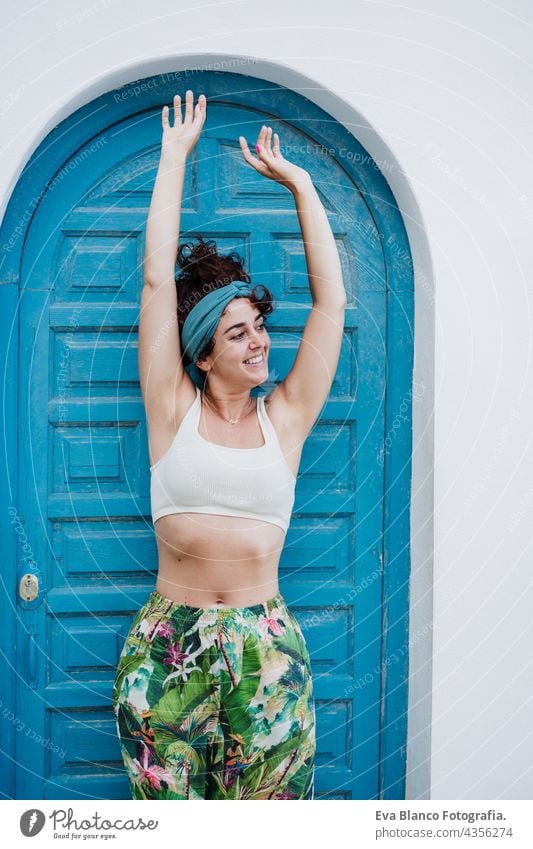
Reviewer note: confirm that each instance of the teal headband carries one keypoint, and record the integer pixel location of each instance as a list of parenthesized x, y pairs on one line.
[(202, 321)]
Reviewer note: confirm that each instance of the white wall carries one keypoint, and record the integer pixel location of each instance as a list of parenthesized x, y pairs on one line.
[(442, 92)]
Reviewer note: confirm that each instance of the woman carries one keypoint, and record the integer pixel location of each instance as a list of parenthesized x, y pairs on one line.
[(213, 693)]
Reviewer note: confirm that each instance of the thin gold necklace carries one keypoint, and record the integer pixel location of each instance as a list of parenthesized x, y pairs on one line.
[(230, 421)]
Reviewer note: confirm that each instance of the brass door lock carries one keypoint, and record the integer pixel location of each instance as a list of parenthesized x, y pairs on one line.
[(29, 587)]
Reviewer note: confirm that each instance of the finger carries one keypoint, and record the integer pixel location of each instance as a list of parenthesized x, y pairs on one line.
[(199, 110), (177, 109), (268, 139), (188, 105), (263, 153), (255, 163), (164, 118), (261, 136), (246, 150), (275, 147)]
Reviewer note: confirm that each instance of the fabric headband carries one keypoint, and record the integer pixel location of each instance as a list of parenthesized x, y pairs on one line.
[(202, 321)]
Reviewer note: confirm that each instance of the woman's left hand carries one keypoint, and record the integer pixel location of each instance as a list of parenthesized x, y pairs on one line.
[(270, 162)]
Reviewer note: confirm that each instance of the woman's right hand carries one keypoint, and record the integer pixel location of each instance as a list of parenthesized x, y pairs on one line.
[(179, 140)]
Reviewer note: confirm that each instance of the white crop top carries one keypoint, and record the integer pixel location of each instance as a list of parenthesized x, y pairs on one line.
[(198, 476)]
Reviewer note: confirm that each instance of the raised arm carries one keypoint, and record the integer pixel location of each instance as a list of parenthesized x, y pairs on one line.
[(160, 367), (307, 385)]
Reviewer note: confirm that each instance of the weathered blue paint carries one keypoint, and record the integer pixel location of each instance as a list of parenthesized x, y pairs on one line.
[(10, 528), (82, 472)]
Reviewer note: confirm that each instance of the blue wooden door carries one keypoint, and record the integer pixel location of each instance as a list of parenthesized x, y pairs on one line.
[(83, 477)]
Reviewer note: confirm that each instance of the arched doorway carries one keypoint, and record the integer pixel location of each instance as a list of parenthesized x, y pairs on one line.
[(83, 477)]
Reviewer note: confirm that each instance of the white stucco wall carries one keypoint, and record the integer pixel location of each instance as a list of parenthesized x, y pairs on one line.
[(441, 92)]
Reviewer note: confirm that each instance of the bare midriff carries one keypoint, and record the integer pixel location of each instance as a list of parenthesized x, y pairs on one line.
[(209, 560)]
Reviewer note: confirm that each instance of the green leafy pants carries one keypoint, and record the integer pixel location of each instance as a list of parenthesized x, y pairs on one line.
[(216, 703)]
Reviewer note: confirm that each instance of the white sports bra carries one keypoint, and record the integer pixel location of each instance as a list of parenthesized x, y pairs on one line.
[(198, 476)]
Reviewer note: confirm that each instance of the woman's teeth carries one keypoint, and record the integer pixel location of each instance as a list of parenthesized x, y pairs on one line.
[(254, 360)]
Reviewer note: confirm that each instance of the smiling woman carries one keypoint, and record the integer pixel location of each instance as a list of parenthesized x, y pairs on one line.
[(213, 694)]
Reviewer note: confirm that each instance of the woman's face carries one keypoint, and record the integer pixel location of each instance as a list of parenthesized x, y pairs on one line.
[(236, 344)]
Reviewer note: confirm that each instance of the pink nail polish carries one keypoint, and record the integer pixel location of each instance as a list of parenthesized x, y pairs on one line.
[(258, 147)]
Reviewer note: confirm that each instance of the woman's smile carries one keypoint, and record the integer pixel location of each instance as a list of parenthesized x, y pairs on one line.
[(256, 360)]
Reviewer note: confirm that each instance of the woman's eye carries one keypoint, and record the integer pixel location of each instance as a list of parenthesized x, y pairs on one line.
[(241, 334)]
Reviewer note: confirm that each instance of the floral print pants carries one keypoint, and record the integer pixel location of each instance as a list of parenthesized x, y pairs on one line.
[(216, 703)]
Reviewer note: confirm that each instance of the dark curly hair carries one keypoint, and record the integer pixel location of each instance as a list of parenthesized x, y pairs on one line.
[(203, 270)]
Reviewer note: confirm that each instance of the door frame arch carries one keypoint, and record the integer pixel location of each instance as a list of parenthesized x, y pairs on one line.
[(44, 167)]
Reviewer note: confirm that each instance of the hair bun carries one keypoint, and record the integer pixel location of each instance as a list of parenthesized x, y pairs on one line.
[(200, 262)]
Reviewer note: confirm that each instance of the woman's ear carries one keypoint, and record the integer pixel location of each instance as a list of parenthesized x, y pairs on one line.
[(203, 365)]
